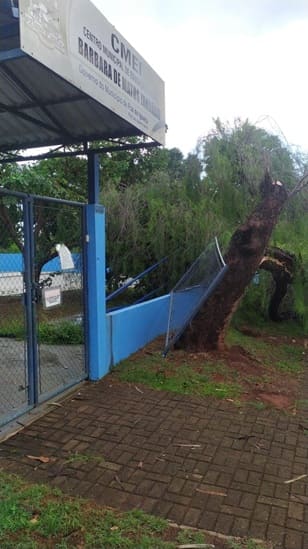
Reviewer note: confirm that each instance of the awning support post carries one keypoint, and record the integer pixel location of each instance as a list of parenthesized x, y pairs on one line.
[(95, 276)]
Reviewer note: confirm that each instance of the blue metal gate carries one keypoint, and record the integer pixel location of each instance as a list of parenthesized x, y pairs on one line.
[(42, 300)]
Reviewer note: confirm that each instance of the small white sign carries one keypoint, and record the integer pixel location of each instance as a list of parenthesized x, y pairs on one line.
[(51, 297), (66, 258)]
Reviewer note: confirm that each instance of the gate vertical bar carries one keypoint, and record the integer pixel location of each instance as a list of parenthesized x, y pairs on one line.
[(30, 295), (96, 274), (85, 237)]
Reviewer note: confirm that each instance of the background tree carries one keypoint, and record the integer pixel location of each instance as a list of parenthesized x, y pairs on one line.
[(162, 204), (228, 151), (65, 178)]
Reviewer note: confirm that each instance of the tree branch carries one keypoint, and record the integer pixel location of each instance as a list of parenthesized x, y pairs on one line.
[(10, 226), (300, 185)]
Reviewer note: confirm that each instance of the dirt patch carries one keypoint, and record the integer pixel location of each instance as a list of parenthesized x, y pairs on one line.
[(261, 382), (281, 402)]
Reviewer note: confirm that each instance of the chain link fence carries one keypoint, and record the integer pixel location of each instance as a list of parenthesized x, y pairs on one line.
[(60, 328), (42, 330), (13, 336), (192, 290)]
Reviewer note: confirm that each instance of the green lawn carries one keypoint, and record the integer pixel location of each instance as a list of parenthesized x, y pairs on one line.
[(38, 517), (248, 362)]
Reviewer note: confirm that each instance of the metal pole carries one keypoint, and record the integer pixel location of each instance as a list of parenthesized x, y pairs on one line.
[(30, 296), (97, 344)]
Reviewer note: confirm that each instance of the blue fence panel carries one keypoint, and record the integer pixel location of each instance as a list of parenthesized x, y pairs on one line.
[(13, 263), (133, 327)]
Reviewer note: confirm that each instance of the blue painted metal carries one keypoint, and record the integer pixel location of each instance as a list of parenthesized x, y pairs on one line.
[(131, 328), (148, 296), (13, 263), (30, 295), (96, 300), (10, 55), (84, 270), (138, 277), (200, 299)]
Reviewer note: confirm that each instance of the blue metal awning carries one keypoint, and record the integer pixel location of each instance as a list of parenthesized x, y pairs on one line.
[(9, 25)]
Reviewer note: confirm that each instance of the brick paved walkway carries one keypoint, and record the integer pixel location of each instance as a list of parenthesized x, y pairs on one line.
[(199, 462)]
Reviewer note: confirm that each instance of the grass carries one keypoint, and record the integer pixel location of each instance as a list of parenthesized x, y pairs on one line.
[(286, 357), (84, 458), (255, 363), (38, 517), (158, 373), (61, 333), (201, 375), (53, 326), (245, 544), (54, 333), (290, 328)]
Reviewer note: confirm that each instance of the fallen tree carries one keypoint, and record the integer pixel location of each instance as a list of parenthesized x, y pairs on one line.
[(244, 256)]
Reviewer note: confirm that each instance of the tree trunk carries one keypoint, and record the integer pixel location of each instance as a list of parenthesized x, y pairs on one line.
[(246, 249), (281, 265)]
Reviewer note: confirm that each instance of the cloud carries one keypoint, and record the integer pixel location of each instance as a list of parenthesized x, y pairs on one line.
[(226, 58), (251, 15)]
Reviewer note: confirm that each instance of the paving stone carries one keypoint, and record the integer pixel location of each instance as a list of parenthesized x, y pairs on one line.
[(162, 508), (177, 513), (258, 529), (224, 524), (296, 511), (262, 512), (248, 501), (276, 534), (145, 468), (158, 489), (240, 526), (192, 517), (148, 504), (176, 485), (177, 498), (267, 489), (208, 520), (235, 511), (297, 525), (293, 540), (278, 516)]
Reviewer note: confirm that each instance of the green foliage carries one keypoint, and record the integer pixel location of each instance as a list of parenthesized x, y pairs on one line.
[(179, 210), (245, 544), (162, 204), (287, 357), (63, 332), (13, 329), (254, 305), (189, 537), (163, 218), (182, 379), (53, 333), (238, 155), (61, 178), (37, 517)]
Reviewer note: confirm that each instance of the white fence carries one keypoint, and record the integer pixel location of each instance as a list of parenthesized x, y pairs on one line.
[(13, 284)]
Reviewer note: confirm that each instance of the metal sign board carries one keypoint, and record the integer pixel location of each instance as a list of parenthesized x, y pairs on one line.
[(74, 39), (51, 297)]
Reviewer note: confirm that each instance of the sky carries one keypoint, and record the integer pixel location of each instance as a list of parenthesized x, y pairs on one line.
[(223, 58)]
